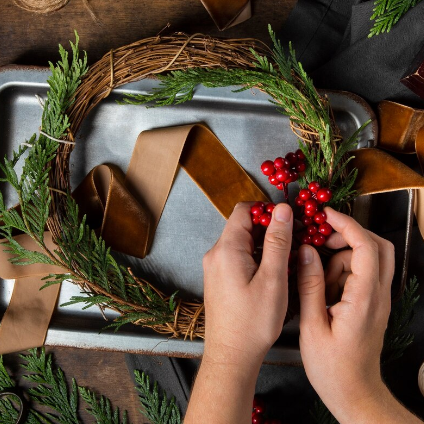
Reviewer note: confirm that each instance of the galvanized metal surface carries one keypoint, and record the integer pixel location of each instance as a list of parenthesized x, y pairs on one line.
[(246, 123)]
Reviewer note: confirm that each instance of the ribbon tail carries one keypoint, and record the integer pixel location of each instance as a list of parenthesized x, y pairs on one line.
[(379, 172)]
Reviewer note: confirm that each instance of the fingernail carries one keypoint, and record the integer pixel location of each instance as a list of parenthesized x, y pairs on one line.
[(306, 255), (282, 213)]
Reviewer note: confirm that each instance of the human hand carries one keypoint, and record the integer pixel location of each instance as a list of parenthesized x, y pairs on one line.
[(341, 345), (245, 304)]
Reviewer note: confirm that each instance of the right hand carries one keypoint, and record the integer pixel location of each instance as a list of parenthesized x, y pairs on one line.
[(341, 345)]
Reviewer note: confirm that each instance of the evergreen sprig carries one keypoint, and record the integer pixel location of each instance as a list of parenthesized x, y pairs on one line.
[(84, 257), (51, 391), (283, 78), (387, 13), (101, 408), (155, 407)]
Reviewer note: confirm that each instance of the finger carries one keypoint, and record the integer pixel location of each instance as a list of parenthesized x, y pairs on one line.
[(237, 233), (311, 286), (386, 257), (336, 273), (277, 245), (370, 249), (336, 241), (365, 260)]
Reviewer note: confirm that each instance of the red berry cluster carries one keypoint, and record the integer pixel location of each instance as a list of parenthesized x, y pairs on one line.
[(284, 170), (314, 219), (262, 213), (258, 413)]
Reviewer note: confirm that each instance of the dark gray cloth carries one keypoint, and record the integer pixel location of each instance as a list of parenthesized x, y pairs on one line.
[(331, 41)]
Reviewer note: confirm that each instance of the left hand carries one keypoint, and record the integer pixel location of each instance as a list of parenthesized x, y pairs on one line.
[(245, 304)]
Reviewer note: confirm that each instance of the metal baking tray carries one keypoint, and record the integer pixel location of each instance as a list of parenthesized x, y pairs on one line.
[(246, 123)]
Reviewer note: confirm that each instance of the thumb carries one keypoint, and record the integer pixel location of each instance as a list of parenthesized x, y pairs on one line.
[(277, 245), (311, 286)]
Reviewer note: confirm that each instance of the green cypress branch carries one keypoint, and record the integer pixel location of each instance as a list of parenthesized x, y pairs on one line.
[(156, 408), (387, 13)]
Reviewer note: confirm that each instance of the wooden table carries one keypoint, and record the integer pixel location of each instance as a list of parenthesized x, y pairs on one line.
[(32, 39)]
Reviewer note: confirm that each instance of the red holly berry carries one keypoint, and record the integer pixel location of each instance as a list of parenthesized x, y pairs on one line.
[(280, 186), (279, 163), (300, 167), (256, 210), (314, 186), (291, 157), (311, 205), (300, 155), (267, 167), (298, 201), (260, 204), (320, 217), (324, 195), (306, 220), (257, 418), (318, 239), (282, 175), (305, 194), (306, 239), (312, 229), (270, 207), (258, 405), (325, 229), (273, 180), (293, 177), (255, 219), (265, 219)]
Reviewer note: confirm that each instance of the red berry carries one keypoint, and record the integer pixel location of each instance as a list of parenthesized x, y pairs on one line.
[(305, 194), (273, 179), (318, 239), (267, 167), (279, 163), (325, 229), (293, 177), (270, 207), (280, 186), (307, 220), (282, 175), (260, 204), (300, 155), (320, 217), (255, 219), (258, 405), (291, 157), (324, 195), (314, 186), (257, 418), (306, 239), (256, 210), (265, 219), (311, 204), (312, 229), (298, 201), (300, 167)]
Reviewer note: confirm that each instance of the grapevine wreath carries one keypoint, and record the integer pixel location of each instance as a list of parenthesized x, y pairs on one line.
[(181, 62)]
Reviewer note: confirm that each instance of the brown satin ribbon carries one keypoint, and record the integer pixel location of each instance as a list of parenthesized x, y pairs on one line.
[(401, 131), (227, 13), (126, 211)]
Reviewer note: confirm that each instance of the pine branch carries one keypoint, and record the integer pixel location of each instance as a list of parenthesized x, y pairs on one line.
[(51, 389), (396, 338), (101, 408), (387, 13), (157, 409)]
